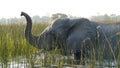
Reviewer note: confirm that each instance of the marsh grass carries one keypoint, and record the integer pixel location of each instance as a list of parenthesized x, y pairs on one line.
[(14, 47), (13, 43)]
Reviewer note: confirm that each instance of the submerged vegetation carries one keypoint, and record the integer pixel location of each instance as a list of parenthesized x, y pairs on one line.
[(14, 47)]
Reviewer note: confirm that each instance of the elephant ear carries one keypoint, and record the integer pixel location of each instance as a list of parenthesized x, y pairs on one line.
[(81, 33), (80, 26), (74, 31)]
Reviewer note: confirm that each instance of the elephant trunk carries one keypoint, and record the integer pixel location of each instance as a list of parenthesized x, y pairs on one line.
[(28, 35)]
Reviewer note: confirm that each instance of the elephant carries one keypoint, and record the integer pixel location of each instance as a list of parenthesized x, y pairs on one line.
[(76, 36)]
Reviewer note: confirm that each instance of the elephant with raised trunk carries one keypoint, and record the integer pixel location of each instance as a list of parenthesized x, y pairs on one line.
[(77, 36)]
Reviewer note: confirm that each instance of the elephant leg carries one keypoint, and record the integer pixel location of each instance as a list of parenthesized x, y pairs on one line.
[(77, 46), (79, 57)]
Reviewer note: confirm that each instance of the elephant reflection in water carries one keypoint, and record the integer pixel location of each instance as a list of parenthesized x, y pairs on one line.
[(77, 36)]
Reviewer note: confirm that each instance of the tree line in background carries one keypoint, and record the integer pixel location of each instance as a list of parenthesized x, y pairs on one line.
[(45, 19), (106, 18)]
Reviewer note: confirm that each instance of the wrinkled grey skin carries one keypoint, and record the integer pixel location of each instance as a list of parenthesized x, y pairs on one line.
[(77, 36)]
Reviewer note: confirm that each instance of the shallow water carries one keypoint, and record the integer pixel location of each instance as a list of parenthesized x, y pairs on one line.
[(22, 63), (26, 65)]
